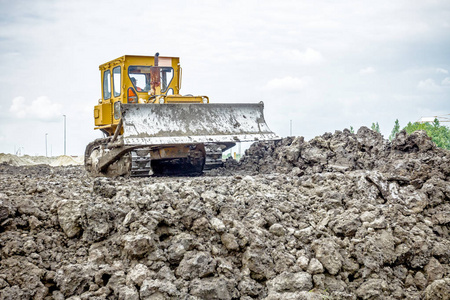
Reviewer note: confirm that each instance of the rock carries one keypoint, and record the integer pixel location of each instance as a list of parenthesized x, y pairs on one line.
[(327, 253), (70, 213), (250, 287), (372, 289), (180, 244), (14, 292), (34, 222), (315, 267), (409, 281), (29, 246), (439, 289), (303, 262), (434, 270), (157, 289), (442, 218), (259, 264), (346, 224), (131, 217), (138, 274), (290, 282), (229, 241), (196, 264), (295, 296), (128, 293), (283, 260), (97, 222), (417, 141), (74, 279), (30, 208), (137, 245), (277, 229), (378, 223), (218, 225), (420, 280), (104, 187), (378, 249), (334, 285), (210, 288), (6, 208), (367, 216)]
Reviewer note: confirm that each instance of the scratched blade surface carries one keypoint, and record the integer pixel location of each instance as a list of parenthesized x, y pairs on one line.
[(163, 124)]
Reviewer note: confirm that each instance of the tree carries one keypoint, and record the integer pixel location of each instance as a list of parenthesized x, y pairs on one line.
[(352, 130), (376, 127), (395, 130), (439, 134)]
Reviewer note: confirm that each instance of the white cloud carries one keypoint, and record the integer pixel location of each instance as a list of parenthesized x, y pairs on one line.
[(446, 81), (288, 83), (367, 70), (307, 57), (41, 108), (428, 85), (18, 107), (440, 70)]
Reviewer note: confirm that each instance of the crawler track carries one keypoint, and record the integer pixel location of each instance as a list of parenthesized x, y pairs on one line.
[(138, 163)]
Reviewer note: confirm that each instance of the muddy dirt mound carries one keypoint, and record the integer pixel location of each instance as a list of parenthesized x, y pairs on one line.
[(344, 151), (343, 216)]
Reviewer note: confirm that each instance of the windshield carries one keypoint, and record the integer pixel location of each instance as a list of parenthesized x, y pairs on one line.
[(145, 77)]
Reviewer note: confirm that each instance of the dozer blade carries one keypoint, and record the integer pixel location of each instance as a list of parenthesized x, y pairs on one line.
[(166, 124)]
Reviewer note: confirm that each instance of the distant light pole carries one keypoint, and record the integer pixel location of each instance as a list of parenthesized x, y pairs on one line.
[(64, 134), (240, 153), (46, 144)]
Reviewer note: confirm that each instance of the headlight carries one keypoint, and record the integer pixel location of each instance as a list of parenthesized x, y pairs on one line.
[(161, 100), (205, 100)]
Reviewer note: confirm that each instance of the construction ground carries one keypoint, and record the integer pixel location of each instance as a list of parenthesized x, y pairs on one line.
[(342, 216)]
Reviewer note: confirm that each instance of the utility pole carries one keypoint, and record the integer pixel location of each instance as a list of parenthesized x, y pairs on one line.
[(46, 144), (64, 134)]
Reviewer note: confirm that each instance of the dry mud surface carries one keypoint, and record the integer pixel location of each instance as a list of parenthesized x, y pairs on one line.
[(343, 216)]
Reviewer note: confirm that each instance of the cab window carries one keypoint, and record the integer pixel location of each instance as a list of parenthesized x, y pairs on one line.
[(166, 78), (116, 81), (107, 85), (142, 77)]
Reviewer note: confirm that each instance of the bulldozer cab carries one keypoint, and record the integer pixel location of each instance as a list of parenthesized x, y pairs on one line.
[(132, 79), (140, 74), (129, 79)]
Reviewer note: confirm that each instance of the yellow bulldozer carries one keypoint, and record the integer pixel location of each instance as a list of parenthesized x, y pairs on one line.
[(149, 128)]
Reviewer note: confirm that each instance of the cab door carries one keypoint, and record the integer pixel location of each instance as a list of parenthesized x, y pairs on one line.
[(103, 111), (117, 93)]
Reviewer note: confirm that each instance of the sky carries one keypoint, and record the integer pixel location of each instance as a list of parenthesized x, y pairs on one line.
[(319, 65)]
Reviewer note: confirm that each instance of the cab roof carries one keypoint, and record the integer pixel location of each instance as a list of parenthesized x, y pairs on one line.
[(136, 59)]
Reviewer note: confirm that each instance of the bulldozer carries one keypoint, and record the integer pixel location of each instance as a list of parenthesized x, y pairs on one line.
[(149, 128)]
